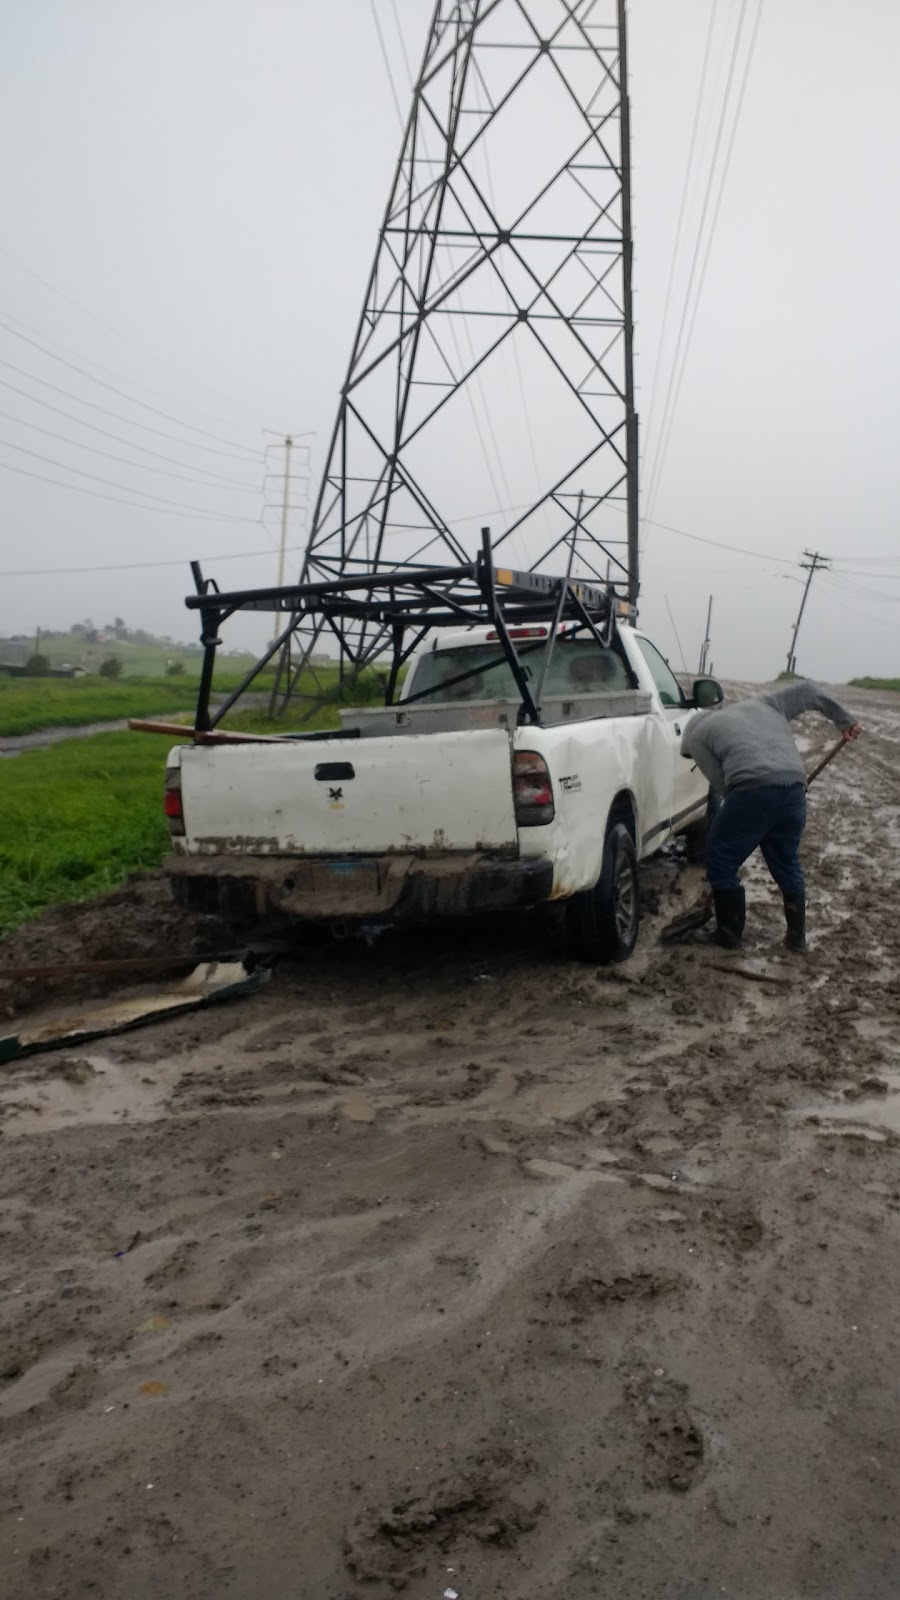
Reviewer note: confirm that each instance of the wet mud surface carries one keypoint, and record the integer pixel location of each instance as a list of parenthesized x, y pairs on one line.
[(448, 1264)]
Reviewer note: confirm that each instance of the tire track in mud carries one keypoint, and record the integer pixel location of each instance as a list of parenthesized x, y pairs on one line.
[(457, 1266)]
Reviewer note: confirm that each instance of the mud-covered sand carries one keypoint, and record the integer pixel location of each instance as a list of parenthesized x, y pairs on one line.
[(448, 1265)]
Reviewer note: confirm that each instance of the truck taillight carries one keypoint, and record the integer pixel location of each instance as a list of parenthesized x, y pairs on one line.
[(532, 789), (172, 802)]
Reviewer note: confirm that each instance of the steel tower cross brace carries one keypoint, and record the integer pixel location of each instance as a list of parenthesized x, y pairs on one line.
[(493, 352)]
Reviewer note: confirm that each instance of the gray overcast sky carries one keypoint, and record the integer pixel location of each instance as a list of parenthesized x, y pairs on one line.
[(190, 200)]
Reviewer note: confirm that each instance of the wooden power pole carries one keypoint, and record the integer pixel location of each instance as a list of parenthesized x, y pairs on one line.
[(814, 563)]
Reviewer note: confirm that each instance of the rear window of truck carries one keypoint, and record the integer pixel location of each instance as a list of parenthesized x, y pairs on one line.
[(577, 666)]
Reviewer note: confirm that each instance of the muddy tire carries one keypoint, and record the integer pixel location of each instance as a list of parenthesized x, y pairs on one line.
[(604, 921)]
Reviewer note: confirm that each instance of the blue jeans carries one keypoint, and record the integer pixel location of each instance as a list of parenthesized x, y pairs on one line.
[(771, 817)]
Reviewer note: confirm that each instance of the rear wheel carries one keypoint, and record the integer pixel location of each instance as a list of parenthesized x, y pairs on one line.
[(604, 921)]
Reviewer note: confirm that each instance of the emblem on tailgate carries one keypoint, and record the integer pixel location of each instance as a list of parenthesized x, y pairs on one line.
[(570, 785)]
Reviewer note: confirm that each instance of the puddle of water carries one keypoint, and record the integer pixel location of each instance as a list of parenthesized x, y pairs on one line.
[(86, 1089), (37, 1385)]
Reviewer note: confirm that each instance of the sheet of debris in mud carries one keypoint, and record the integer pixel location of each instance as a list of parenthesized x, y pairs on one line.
[(447, 1267)]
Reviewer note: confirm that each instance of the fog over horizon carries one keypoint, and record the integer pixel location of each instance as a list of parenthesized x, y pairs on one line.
[(191, 202)]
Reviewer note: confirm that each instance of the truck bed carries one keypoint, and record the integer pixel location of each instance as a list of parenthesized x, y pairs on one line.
[(428, 716)]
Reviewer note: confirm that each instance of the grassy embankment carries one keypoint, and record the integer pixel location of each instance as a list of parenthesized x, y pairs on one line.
[(29, 704), (875, 683), (78, 817)]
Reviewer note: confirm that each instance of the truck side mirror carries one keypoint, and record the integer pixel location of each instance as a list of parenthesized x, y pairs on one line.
[(708, 692)]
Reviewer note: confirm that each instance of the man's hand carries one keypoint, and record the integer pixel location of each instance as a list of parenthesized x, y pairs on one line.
[(851, 733)]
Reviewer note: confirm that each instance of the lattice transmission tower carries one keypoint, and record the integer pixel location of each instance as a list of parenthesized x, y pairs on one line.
[(490, 380)]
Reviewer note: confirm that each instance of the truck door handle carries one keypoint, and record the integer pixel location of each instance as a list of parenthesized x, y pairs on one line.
[(677, 730)]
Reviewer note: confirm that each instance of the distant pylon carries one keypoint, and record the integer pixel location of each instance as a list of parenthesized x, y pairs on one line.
[(491, 379)]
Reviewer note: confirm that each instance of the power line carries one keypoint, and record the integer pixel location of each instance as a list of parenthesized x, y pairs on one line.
[(117, 332), (675, 631), (405, 53), (131, 444), (886, 561), (189, 427), (134, 505), (720, 130), (717, 544), (667, 430), (851, 572), (870, 594), (186, 444), (135, 566), (123, 461), (387, 62), (110, 483), (688, 171), (833, 594)]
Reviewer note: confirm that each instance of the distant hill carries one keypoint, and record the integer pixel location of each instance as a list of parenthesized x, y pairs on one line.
[(142, 655)]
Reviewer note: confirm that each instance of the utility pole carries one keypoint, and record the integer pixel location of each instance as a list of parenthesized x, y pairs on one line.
[(704, 650), (814, 563), (288, 447)]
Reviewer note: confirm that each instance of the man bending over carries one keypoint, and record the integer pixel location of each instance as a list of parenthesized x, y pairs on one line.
[(748, 754)]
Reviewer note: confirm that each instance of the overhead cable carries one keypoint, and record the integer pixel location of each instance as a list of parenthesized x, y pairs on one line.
[(155, 411), (147, 427), (136, 566), (695, 259), (682, 210), (212, 478), (387, 61), (666, 431), (123, 461), (118, 332), (109, 483), (135, 505)]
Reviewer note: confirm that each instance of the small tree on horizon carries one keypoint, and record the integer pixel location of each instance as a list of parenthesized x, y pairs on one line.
[(110, 667)]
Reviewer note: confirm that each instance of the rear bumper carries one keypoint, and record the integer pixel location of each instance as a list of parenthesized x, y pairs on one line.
[(371, 889)]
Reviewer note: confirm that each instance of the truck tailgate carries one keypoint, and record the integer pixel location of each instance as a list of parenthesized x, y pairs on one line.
[(436, 792)]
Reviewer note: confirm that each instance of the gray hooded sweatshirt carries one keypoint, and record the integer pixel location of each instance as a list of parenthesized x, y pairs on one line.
[(750, 744)]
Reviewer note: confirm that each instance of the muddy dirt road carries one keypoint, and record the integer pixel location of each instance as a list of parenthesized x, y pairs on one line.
[(450, 1267)]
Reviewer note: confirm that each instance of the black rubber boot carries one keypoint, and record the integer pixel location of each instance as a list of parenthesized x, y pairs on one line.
[(731, 911), (731, 914), (795, 917)]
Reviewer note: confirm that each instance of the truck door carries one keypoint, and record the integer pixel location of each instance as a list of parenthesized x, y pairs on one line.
[(687, 786)]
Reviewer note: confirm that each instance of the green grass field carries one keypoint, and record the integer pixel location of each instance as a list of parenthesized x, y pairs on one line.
[(875, 683), (29, 704), (77, 818)]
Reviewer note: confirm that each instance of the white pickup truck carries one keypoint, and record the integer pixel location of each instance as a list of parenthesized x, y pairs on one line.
[(447, 802)]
